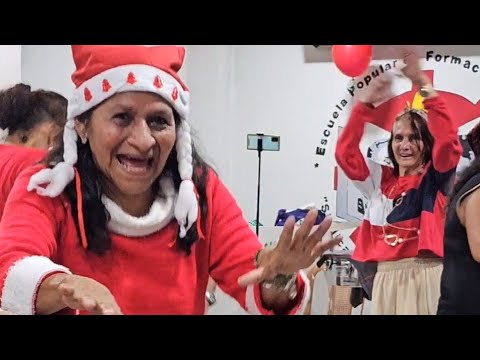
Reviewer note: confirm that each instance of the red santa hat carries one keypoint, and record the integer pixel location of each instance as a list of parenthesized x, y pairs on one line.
[(105, 70)]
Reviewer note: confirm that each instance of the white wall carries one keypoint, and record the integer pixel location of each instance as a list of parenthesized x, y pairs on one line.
[(49, 67), (10, 68), (210, 80)]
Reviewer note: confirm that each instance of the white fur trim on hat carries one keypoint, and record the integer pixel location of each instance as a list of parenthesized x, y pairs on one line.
[(52, 182), (128, 78)]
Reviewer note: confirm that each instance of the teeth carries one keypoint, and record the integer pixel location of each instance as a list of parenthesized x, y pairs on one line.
[(129, 167), (135, 169), (134, 165)]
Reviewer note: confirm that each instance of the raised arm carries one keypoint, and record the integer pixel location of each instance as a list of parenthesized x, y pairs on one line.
[(365, 174), (447, 149), (347, 152)]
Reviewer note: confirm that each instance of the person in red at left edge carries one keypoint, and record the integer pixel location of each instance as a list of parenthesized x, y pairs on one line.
[(30, 122), (126, 218)]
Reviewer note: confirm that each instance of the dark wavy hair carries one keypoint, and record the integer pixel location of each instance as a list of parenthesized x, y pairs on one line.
[(421, 133), (22, 109), (95, 214)]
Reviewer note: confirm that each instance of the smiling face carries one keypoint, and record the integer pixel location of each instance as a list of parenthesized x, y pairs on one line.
[(131, 136), (407, 146)]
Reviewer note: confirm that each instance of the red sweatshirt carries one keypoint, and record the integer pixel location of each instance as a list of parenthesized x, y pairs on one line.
[(14, 159), (144, 272), (408, 208)]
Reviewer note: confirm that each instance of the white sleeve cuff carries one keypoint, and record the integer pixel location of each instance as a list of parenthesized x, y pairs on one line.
[(22, 283)]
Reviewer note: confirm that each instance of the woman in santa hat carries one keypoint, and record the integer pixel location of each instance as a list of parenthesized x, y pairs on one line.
[(127, 218)]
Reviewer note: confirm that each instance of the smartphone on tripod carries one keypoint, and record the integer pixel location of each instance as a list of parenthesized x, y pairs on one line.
[(263, 142)]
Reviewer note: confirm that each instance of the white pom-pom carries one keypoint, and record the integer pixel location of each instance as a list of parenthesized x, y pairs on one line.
[(186, 208), (56, 180)]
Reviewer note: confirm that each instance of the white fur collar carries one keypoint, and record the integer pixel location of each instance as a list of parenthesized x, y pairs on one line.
[(160, 214)]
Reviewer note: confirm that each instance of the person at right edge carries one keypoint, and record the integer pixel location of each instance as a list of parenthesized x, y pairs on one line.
[(460, 294), (402, 232)]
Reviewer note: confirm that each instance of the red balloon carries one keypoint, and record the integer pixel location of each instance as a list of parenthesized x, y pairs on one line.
[(352, 60)]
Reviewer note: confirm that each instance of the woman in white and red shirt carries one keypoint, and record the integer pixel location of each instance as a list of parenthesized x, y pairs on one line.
[(403, 226)]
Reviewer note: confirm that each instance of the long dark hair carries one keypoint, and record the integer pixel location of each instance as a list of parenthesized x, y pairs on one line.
[(95, 214), (420, 131)]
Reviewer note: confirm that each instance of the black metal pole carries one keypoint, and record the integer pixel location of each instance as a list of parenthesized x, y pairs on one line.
[(259, 148)]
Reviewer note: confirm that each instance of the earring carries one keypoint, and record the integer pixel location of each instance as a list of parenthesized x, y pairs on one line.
[(84, 140)]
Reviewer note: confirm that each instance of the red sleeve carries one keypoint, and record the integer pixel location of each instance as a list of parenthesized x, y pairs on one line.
[(447, 149), (347, 152), (233, 246), (28, 240), (15, 159)]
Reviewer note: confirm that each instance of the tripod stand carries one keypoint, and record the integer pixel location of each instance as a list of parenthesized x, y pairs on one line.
[(260, 143), (259, 150)]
